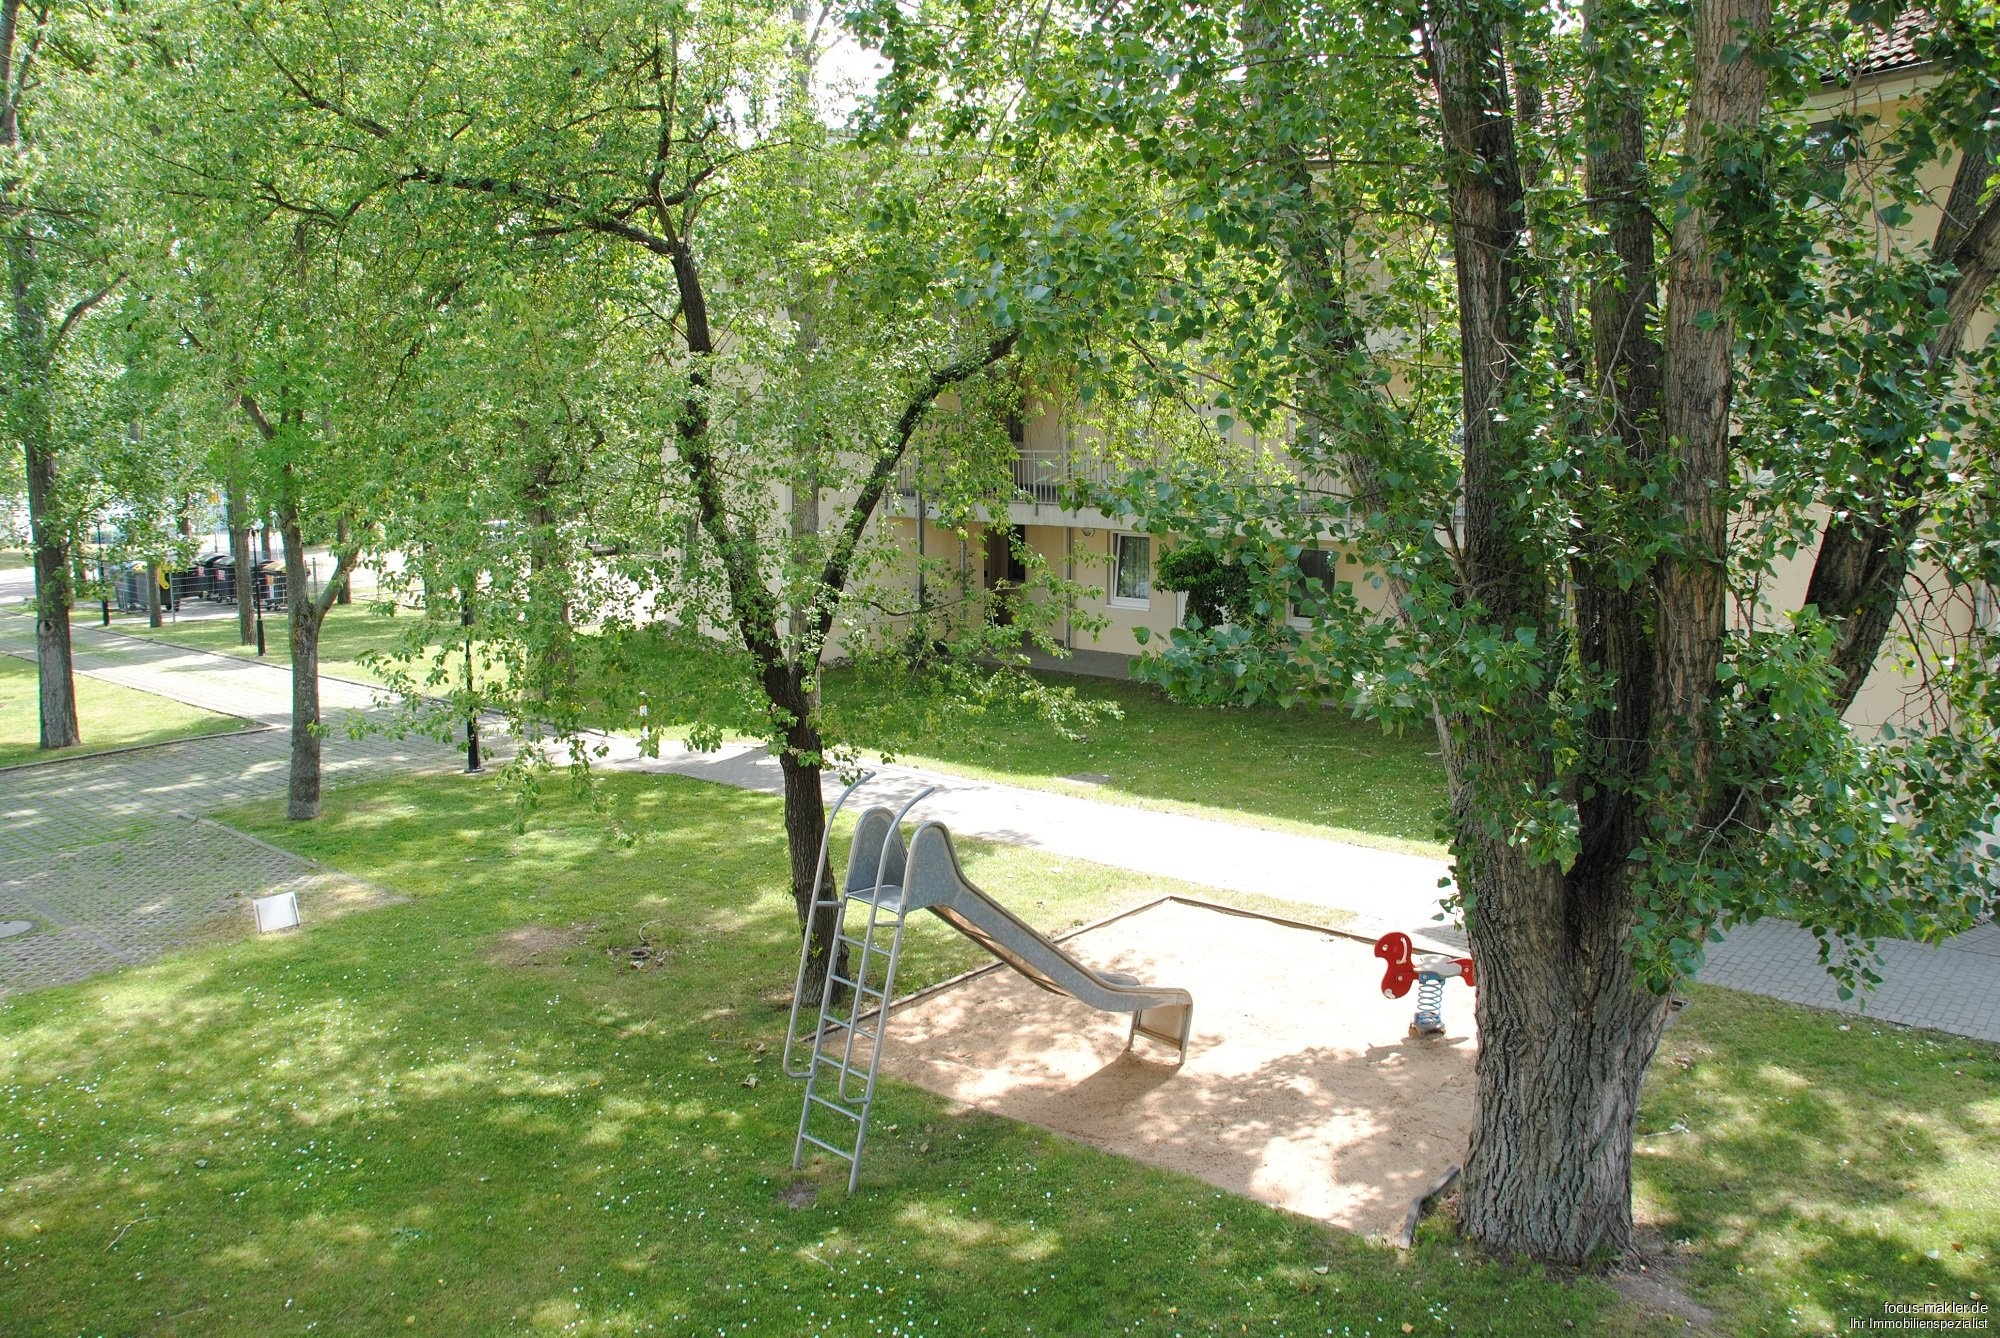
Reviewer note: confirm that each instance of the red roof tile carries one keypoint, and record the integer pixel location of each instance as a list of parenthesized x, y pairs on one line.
[(1896, 48)]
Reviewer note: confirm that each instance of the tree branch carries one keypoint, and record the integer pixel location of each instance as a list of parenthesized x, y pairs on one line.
[(79, 311), (343, 565), (840, 561), (1858, 574), (248, 403)]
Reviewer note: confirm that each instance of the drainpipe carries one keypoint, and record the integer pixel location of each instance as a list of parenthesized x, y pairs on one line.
[(1069, 575)]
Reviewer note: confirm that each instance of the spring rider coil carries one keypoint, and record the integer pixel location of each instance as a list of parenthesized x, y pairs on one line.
[(1427, 973)]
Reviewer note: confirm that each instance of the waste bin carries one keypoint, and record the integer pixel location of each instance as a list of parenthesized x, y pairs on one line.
[(271, 584)]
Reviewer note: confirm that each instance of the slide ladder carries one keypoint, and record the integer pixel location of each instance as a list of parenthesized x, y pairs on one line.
[(846, 1043), (886, 883)]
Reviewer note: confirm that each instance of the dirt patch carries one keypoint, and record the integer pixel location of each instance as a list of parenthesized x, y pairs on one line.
[(1651, 1280), (649, 949), (1302, 1087), (799, 1194), (536, 945), (322, 896)]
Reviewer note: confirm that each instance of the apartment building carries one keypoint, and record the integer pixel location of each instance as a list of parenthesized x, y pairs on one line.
[(1039, 504)]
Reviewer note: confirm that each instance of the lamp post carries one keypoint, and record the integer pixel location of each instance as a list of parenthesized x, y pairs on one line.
[(472, 762), (257, 589)]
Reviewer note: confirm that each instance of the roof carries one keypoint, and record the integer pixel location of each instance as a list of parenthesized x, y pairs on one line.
[(1895, 48)]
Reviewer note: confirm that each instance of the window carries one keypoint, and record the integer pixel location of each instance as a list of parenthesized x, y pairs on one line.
[(1315, 564), (1833, 148), (1131, 571), (1833, 143)]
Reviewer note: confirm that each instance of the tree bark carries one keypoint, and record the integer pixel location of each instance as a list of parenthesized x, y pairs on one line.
[(155, 612), (805, 828), (1614, 619), (1566, 1032), (1567, 1028), (550, 608), (56, 676), (302, 791), (340, 542), (305, 616), (30, 413)]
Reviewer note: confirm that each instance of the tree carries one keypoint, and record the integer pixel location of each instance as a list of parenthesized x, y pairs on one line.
[(661, 151), (55, 280), (303, 357), (1572, 302)]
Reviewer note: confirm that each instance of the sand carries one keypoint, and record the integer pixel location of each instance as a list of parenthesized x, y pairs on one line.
[(1302, 1087)]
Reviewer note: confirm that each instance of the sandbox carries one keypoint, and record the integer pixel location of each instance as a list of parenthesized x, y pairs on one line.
[(1302, 1087)]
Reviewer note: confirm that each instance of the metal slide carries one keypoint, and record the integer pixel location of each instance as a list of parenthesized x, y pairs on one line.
[(885, 883), (933, 881)]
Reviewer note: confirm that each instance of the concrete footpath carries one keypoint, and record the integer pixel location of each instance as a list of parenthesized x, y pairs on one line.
[(1953, 987), (107, 859)]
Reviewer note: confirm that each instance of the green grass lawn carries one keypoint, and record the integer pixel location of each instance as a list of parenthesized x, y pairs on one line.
[(108, 715), (398, 1122), (1304, 770), (1819, 1165), (352, 632)]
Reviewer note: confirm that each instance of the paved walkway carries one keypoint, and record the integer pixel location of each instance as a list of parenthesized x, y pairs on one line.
[(1954, 986), (1382, 889), (107, 857), (118, 903), (44, 810)]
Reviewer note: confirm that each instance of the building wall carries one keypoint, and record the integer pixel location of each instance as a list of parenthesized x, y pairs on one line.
[(1078, 544)]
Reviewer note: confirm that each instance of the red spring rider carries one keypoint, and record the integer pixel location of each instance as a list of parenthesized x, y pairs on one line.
[(1427, 973)]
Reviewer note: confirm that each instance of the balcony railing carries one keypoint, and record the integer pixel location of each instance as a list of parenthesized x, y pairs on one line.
[(1043, 477), (1039, 477)]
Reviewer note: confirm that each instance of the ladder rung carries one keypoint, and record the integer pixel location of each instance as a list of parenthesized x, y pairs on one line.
[(855, 944), (841, 1153), (835, 1106)]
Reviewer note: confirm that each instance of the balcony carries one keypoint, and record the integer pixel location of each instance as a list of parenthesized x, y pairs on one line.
[(1036, 477)]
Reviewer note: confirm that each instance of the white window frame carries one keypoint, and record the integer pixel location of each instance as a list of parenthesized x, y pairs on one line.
[(1117, 600)]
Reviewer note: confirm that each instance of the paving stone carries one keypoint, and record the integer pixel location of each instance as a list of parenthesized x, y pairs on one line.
[(107, 855), (118, 903), (1951, 986)]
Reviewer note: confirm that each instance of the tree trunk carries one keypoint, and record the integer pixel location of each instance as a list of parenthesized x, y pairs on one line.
[(303, 614), (550, 611), (239, 552), (1566, 1032), (344, 595), (1567, 1029), (805, 828), (155, 613), (57, 674), (29, 415)]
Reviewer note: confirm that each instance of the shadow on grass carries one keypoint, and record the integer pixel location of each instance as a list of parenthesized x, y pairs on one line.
[(369, 1125), (1828, 1164)]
